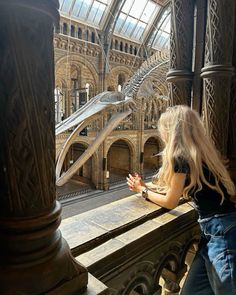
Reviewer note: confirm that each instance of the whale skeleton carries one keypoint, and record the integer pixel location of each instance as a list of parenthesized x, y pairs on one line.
[(93, 109)]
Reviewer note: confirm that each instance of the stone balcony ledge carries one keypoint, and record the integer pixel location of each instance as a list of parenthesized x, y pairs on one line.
[(130, 236)]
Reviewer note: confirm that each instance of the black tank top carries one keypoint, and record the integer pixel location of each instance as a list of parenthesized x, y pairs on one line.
[(207, 201)]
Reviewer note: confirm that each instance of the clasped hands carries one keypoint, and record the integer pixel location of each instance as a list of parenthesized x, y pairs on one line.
[(135, 183)]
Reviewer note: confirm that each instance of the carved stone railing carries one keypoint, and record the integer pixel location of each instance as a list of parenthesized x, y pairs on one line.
[(130, 244)]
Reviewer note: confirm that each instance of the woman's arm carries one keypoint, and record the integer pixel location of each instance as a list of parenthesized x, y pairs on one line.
[(170, 200)]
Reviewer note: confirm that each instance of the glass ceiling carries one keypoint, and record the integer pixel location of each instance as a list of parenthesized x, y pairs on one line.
[(161, 35), (134, 21), (90, 11), (135, 18)]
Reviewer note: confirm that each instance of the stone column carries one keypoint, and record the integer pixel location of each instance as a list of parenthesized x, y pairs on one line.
[(232, 120), (198, 53), (181, 47), (34, 258), (218, 70)]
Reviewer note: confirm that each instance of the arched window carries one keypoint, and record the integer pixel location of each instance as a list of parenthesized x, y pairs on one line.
[(131, 49), (74, 94), (59, 105), (126, 47), (87, 86), (72, 31), (135, 50), (65, 28), (121, 46), (93, 39), (87, 35), (116, 45), (121, 81), (79, 33)]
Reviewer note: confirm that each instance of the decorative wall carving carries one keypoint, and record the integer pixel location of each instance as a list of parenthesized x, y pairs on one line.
[(181, 46), (32, 251), (232, 122), (218, 70), (76, 46), (25, 116)]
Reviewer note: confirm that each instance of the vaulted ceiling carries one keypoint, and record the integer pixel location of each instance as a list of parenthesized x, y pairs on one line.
[(145, 21)]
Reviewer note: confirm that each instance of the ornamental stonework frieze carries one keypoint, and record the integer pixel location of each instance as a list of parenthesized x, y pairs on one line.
[(125, 59), (78, 46)]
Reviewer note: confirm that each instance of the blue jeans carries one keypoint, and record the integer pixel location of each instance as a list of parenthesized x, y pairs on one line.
[(213, 271)]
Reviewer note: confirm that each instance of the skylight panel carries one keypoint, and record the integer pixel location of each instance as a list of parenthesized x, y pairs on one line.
[(99, 14), (120, 22), (131, 24), (139, 31), (66, 6), (127, 6), (161, 39), (91, 11), (84, 9), (148, 11), (77, 7), (161, 36), (137, 8), (135, 18)]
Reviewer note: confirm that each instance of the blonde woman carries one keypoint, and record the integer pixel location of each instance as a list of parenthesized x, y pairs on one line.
[(192, 167)]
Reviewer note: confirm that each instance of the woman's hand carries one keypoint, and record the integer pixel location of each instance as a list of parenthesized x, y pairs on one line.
[(135, 183)]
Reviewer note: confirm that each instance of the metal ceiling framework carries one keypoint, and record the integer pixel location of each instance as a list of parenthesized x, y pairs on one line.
[(129, 19), (120, 17)]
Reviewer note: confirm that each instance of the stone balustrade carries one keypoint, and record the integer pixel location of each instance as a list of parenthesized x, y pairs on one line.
[(132, 244)]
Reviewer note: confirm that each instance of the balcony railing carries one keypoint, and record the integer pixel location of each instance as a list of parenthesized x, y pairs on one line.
[(131, 245)]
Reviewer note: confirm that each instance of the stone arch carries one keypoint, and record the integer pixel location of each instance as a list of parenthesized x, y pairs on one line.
[(121, 80), (190, 248), (88, 172), (167, 264), (140, 280), (120, 159), (112, 80), (124, 138), (79, 62), (170, 266), (151, 162)]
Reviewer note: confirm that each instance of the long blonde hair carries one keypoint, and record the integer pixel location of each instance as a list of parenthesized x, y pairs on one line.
[(184, 136)]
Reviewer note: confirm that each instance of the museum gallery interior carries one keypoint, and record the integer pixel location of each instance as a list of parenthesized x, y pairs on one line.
[(82, 86)]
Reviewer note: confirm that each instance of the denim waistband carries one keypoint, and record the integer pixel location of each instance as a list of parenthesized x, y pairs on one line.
[(206, 219)]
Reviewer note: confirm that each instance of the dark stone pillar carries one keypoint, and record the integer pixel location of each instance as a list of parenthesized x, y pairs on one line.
[(198, 52), (34, 258), (218, 70), (181, 47), (232, 116)]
